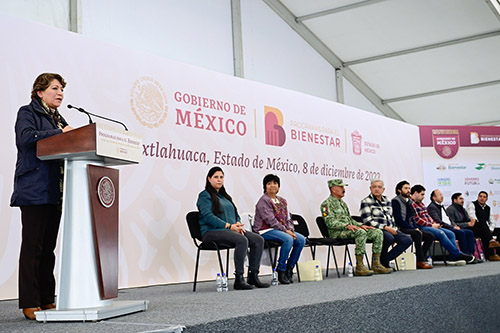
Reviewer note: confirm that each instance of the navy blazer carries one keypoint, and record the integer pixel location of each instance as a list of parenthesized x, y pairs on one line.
[(436, 213), (36, 182)]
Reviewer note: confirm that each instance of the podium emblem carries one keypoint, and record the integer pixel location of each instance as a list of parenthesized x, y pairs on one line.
[(106, 191)]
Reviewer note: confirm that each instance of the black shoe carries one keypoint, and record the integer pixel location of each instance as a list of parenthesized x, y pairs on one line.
[(289, 274), (467, 257), (240, 284), (282, 278), (253, 279)]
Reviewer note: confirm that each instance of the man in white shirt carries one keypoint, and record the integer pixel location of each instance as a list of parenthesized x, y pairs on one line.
[(480, 211)]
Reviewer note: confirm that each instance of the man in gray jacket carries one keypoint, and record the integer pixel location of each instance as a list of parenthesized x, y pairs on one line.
[(464, 236)]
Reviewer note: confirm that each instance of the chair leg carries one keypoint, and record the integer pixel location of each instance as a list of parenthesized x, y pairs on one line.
[(349, 255), (196, 270), (313, 252), (271, 258), (367, 261), (275, 256), (444, 256), (328, 261), (345, 257), (227, 262), (298, 273), (335, 261), (220, 262)]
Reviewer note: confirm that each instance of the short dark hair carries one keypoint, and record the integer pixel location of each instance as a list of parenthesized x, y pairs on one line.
[(455, 196), (43, 81), (400, 185), (484, 192), (417, 188), (433, 194), (269, 178)]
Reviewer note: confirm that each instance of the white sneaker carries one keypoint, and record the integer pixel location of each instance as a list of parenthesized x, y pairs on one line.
[(457, 263)]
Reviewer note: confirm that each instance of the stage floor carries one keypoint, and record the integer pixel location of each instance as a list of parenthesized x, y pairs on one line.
[(172, 307)]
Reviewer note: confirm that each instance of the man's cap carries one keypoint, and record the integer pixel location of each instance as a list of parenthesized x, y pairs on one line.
[(336, 182)]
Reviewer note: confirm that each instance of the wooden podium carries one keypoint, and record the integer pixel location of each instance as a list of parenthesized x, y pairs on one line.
[(88, 274)]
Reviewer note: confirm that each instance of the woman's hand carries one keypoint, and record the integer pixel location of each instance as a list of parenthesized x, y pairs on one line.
[(238, 227), (291, 233), (67, 129)]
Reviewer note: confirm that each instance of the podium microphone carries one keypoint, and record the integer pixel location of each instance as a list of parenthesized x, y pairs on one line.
[(82, 110)]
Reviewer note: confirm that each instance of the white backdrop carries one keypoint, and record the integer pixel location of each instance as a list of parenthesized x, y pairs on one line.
[(202, 115)]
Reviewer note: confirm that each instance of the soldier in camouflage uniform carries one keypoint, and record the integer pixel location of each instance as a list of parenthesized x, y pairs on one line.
[(341, 225)]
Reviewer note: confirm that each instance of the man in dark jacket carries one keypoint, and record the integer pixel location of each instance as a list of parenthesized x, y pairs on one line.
[(464, 236), (403, 215)]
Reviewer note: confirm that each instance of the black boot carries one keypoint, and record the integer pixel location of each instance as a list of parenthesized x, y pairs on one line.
[(289, 274), (282, 278), (253, 279), (240, 284)]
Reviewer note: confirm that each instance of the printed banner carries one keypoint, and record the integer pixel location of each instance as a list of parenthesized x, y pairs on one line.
[(191, 119), (466, 160)]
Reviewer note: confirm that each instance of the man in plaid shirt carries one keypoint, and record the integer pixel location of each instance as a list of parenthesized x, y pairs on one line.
[(426, 223), (376, 211)]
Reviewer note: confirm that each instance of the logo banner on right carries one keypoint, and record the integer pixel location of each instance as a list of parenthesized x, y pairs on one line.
[(464, 159)]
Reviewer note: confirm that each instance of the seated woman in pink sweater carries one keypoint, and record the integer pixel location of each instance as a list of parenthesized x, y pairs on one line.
[(273, 222)]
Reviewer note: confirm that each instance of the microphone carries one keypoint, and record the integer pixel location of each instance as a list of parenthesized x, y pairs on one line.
[(81, 110), (95, 115)]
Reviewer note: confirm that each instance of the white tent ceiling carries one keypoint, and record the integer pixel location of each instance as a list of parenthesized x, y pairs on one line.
[(422, 61)]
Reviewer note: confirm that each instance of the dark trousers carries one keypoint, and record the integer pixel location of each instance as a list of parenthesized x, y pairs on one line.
[(466, 240), (36, 260), (250, 240), (402, 243), (496, 232), (419, 236), (481, 230)]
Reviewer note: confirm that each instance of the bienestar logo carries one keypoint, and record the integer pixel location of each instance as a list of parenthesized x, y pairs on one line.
[(273, 119)]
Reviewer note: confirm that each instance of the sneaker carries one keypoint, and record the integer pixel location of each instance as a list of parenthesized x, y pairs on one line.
[(467, 257), (472, 262), (478, 261), (456, 263)]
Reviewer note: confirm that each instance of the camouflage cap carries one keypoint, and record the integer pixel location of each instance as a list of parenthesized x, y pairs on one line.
[(336, 182)]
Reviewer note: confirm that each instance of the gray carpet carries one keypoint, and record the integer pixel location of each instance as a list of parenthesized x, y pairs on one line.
[(465, 308), (445, 299)]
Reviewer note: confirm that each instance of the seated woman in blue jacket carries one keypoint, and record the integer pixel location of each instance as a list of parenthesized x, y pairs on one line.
[(273, 222), (220, 222)]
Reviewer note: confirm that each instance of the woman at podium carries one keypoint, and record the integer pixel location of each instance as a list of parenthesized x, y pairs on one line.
[(220, 222), (38, 193)]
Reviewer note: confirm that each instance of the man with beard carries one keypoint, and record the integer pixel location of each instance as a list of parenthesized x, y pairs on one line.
[(403, 215)]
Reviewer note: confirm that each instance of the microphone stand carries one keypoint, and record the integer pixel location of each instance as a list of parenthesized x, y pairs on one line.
[(96, 115)]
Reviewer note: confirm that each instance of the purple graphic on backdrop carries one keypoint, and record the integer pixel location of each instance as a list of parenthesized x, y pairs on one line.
[(273, 119)]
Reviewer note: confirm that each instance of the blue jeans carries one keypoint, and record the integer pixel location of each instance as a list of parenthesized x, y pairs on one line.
[(446, 238), (287, 242)]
